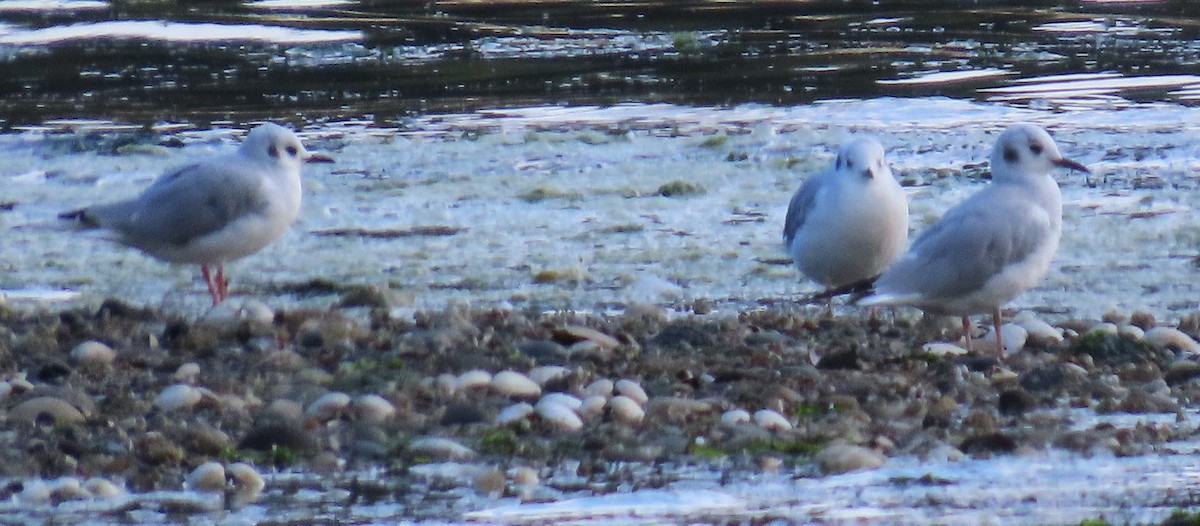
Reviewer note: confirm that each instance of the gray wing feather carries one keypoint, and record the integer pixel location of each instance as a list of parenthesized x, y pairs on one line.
[(183, 205), (801, 204), (968, 246)]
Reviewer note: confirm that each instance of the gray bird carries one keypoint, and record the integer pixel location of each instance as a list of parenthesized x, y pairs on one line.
[(849, 222), (992, 246), (214, 211)]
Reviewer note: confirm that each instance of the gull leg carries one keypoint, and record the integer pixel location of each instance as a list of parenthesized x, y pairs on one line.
[(966, 322), (212, 288), (222, 283), (828, 307), (996, 325)]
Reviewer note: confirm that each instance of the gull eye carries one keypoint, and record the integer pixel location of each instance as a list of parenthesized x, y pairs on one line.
[(273, 151), (1011, 155), (1036, 148), (291, 150)]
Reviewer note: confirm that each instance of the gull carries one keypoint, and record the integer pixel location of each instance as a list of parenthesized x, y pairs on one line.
[(216, 210), (846, 224), (992, 246)]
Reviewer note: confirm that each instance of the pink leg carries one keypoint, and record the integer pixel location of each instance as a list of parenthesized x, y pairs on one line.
[(996, 325), (222, 283), (213, 289), (966, 321)]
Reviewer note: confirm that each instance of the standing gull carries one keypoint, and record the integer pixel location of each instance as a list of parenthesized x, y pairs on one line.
[(849, 222), (992, 246), (214, 211)]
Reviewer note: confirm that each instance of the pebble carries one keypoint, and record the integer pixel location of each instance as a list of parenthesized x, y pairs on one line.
[(1132, 332), (513, 413), (207, 477), (1104, 328), (577, 333), (844, 458), (771, 420), (1038, 332), (560, 416), (943, 349), (490, 482), (512, 383), (525, 476), (93, 352), (58, 410), (473, 379), (735, 417), (443, 448), (102, 489), (187, 373), (229, 315), (593, 406), (544, 374), (372, 408), (247, 483), (328, 407), (67, 488), (602, 387), (287, 409), (632, 390), (178, 396), (626, 410), (1175, 339), (565, 399), (1014, 338), (676, 410)]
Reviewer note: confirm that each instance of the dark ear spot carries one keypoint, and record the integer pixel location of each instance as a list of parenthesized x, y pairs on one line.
[(1011, 155), (1036, 148), (840, 162), (273, 151)]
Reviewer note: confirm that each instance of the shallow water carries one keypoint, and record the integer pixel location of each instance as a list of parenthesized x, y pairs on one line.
[(536, 138)]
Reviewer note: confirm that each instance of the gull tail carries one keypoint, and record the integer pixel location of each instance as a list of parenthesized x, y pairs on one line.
[(856, 290), (81, 218)]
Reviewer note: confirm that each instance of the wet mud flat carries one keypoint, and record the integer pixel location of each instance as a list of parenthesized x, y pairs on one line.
[(519, 416)]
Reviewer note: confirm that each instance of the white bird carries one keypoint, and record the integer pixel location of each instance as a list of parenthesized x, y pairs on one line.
[(992, 246), (849, 222), (216, 210)]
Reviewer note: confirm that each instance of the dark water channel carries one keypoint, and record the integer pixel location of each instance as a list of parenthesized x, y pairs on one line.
[(387, 60)]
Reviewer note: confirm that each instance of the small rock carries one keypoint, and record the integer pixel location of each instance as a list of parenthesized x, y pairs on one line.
[(602, 387), (372, 408), (461, 414), (178, 396), (56, 409), (1038, 332), (525, 476), (592, 406), (187, 373), (102, 489), (94, 353), (207, 477), (514, 384), (473, 379), (771, 420), (514, 413), (1016, 401), (328, 407), (1173, 339), (632, 390), (943, 349), (564, 399), (626, 410), (735, 417), (490, 482), (544, 374), (560, 416), (571, 334), (247, 483), (844, 458), (442, 448), (1143, 319)]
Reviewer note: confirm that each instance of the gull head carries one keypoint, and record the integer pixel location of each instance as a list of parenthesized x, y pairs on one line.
[(277, 146), (863, 158), (1027, 150)]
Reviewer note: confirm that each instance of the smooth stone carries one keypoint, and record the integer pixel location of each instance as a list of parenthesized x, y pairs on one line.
[(593, 406), (439, 447), (602, 387), (207, 477), (574, 333), (844, 458), (1174, 339), (771, 420), (512, 383), (735, 417), (563, 398), (93, 352), (372, 408), (473, 379), (626, 410), (247, 483), (187, 373), (632, 390), (58, 410), (544, 374), (102, 489), (559, 415), (178, 396), (514, 413), (328, 407)]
